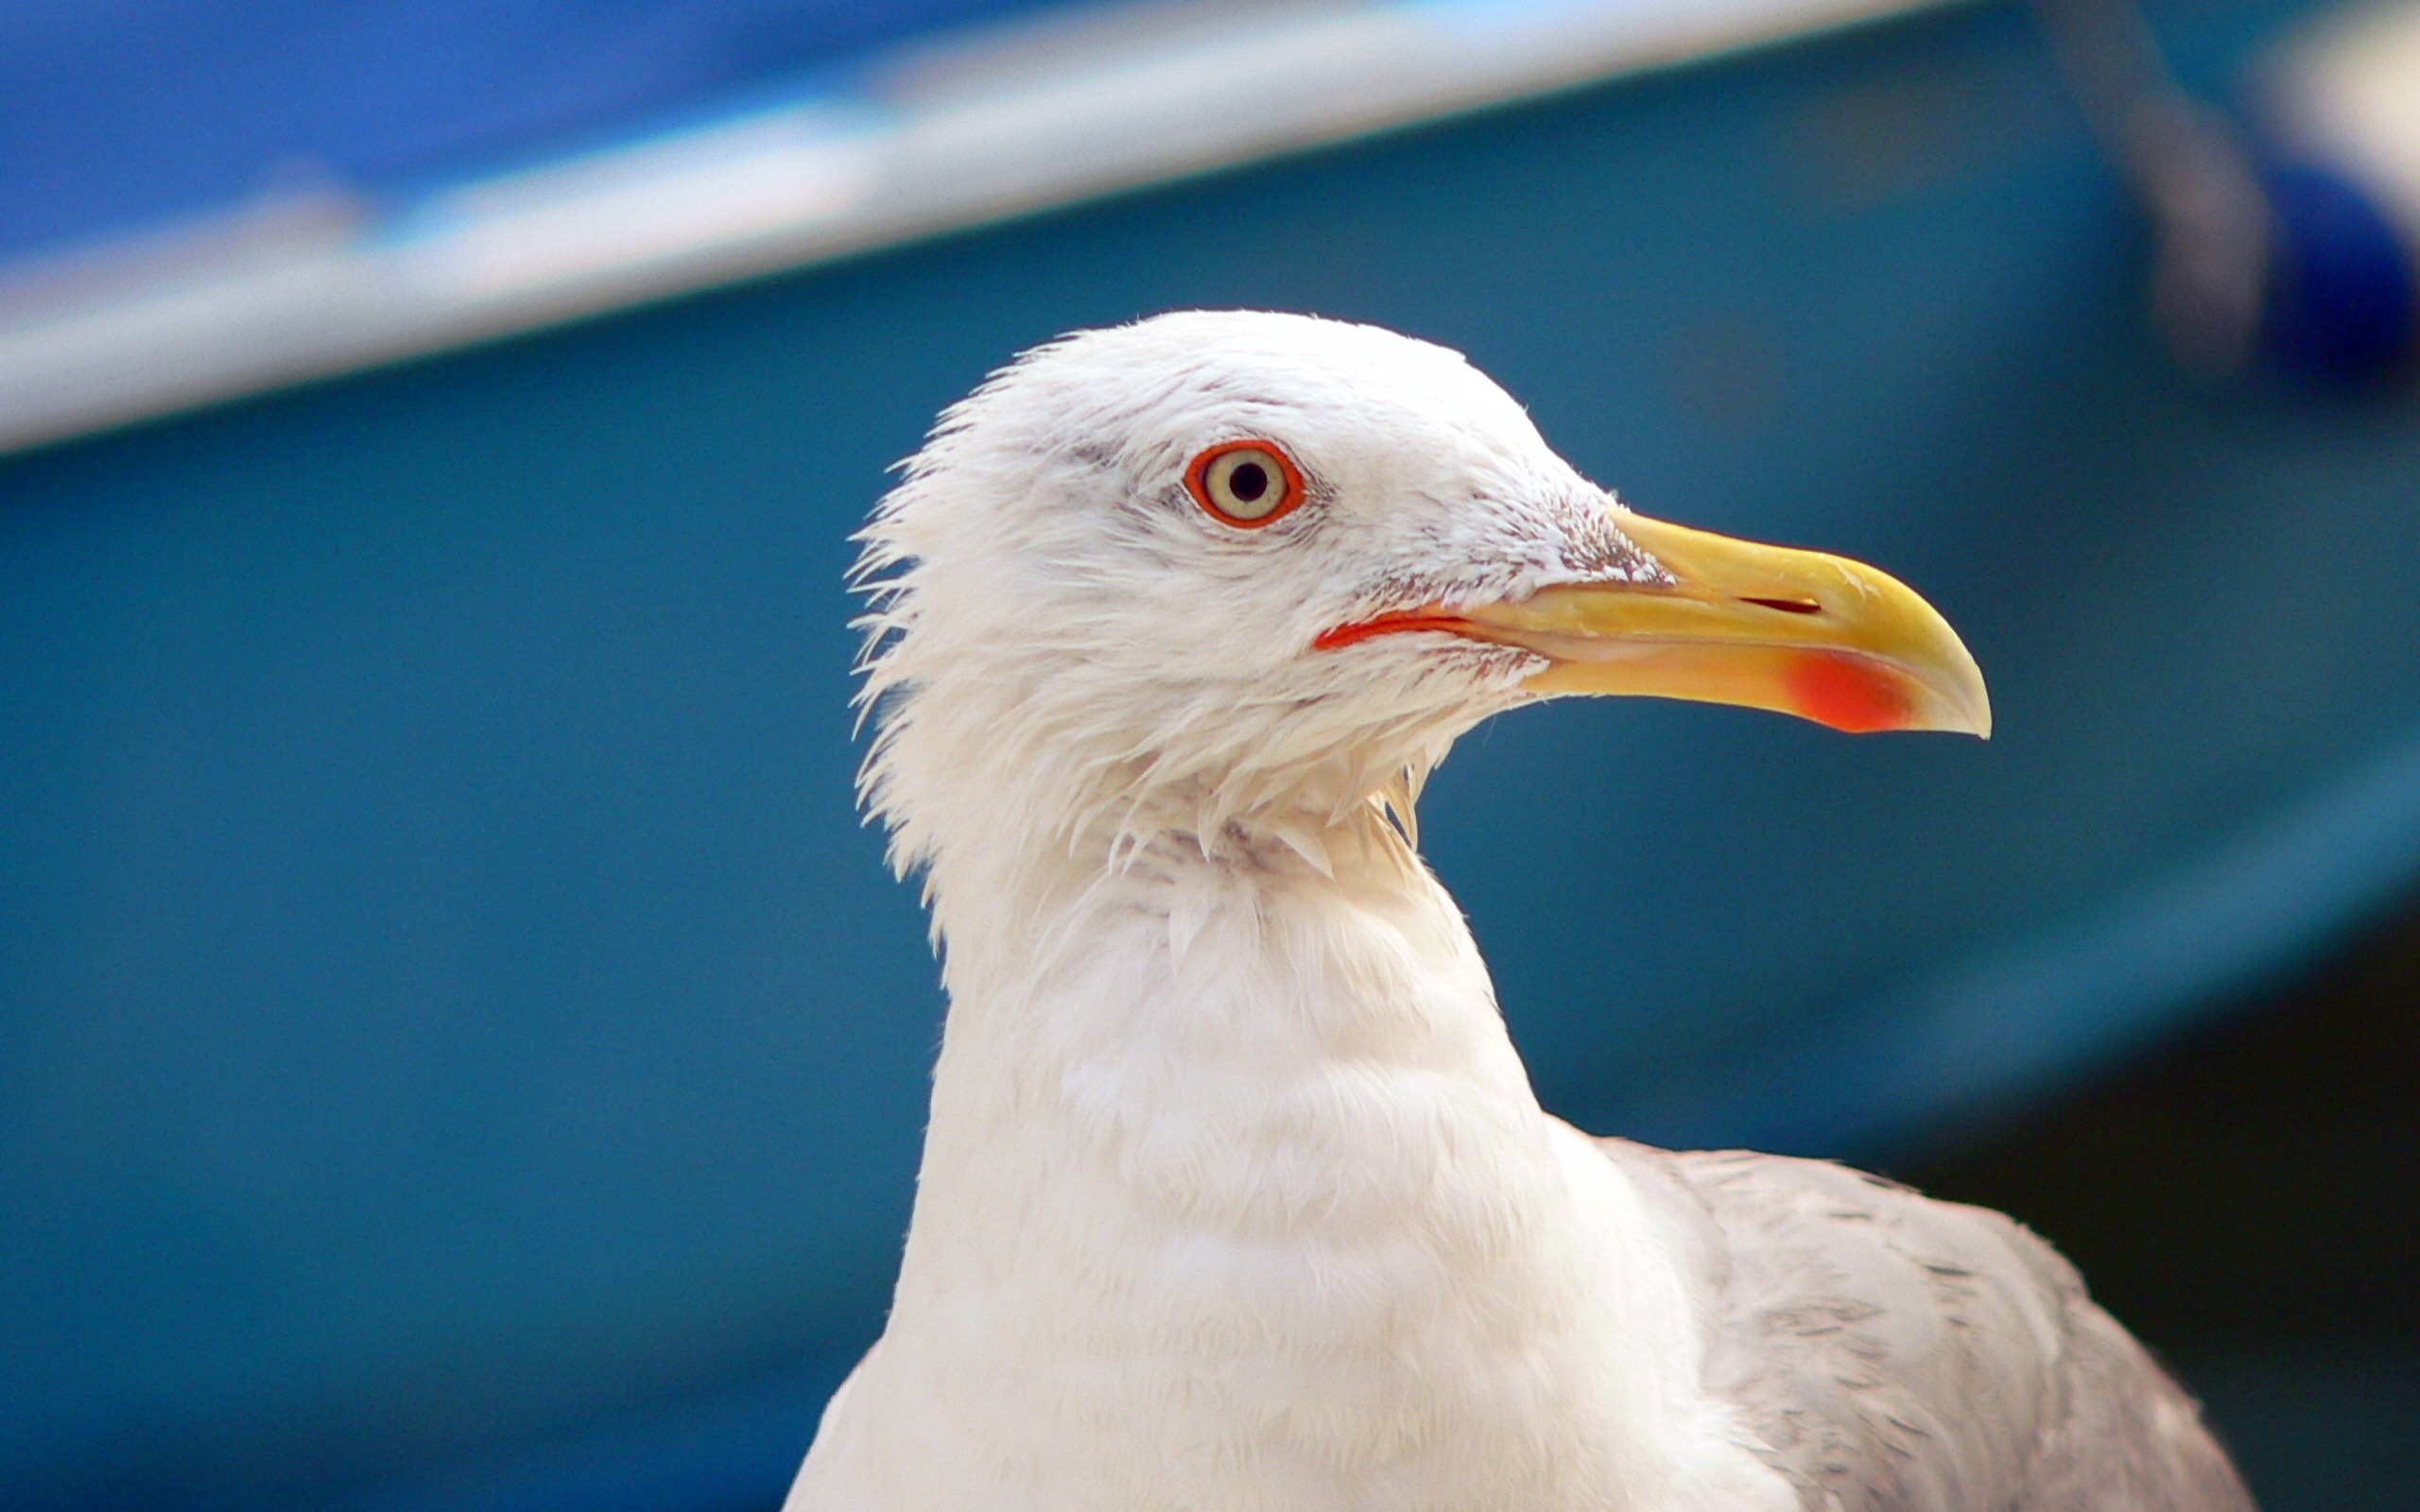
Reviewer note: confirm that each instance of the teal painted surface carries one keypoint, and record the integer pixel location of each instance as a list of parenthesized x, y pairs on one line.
[(448, 1002)]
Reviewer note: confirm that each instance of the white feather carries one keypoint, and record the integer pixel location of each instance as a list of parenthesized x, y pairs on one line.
[(1235, 1197)]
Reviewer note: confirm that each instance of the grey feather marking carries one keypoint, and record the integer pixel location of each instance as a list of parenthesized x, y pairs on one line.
[(1892, 1353)]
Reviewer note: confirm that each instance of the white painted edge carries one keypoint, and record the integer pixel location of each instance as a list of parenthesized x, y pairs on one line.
[(935, 137)]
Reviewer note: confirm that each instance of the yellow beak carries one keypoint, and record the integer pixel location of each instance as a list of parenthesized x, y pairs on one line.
[(1798, 632)]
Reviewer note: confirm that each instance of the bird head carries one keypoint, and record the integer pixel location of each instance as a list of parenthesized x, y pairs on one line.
[(1216, 566)]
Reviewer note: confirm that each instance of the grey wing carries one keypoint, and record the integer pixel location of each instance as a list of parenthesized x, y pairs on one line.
[(1896, 1355)]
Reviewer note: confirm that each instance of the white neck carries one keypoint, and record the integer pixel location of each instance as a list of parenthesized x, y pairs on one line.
[(1236, 1194)]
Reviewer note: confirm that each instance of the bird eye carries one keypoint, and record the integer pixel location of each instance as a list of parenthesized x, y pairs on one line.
[(1245, 483)]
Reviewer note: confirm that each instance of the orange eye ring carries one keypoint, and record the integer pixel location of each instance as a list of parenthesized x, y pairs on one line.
[(1246, 484)]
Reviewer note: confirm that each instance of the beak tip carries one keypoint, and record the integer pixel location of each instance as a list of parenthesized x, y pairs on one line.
[(1966, 706), (1976, 704)]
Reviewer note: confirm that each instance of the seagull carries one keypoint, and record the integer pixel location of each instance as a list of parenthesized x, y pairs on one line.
[(1236, 1195)]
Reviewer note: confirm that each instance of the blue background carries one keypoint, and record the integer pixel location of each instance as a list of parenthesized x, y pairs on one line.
[(459, 1048), (117, 113)]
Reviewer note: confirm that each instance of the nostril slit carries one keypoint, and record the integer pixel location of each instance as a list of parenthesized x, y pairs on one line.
[(1787, 606)]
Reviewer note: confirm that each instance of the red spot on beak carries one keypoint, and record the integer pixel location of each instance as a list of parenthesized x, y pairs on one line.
[(1847, 693)]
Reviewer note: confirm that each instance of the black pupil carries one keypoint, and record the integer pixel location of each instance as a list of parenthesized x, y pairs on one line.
[(1248, 482)]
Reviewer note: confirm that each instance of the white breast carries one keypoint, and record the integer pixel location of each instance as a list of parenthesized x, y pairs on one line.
[(1240, 1198)]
